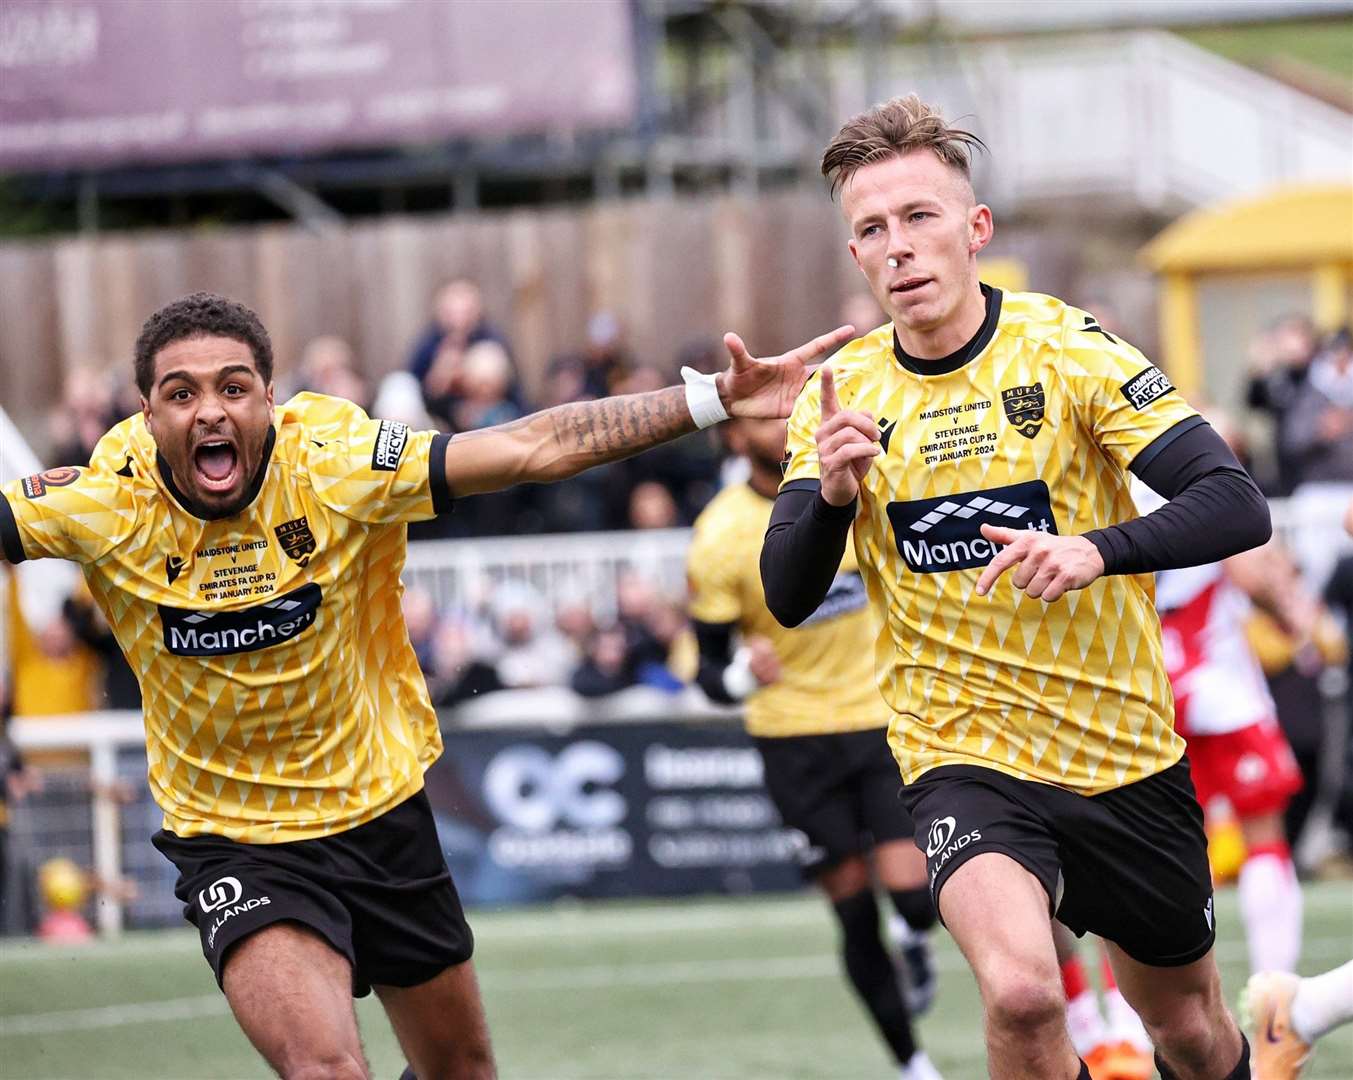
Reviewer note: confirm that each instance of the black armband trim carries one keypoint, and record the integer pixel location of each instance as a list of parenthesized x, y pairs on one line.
[(442, 499), (1158, 444), (9, 533)]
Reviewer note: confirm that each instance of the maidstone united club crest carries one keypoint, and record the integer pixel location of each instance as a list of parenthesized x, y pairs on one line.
[(1024, 408), (296, 539)]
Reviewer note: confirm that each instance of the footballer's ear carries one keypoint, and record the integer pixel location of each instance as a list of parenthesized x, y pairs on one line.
[(980, 228)]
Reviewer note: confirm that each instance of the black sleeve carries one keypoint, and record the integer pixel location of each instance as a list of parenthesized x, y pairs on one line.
[(716, 652), (802, 550), (1215, 509)]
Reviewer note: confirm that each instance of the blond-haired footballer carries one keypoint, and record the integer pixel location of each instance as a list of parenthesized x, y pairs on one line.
[(980, 445)]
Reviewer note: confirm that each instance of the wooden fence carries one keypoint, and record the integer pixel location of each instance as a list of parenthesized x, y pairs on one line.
[(775, 268)]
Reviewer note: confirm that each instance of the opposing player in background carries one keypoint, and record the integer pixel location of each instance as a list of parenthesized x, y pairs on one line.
[(1111, 1040), (247, 558), (1288, 1014), (980, 445), (819, 724), (1225, 713)]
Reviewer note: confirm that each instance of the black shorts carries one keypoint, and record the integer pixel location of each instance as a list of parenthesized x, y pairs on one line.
[(380, 894), (1129, 865), (840, 791)]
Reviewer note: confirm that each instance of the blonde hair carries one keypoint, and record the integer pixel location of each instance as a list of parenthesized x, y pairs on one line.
[(891, 129)]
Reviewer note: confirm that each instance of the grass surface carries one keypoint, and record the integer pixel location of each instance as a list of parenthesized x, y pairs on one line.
[(703, 989), (1325, 44)]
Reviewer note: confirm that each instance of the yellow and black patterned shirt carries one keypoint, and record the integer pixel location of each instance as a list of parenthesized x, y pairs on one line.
[(282, 698), (826, 683), (1034, 427)]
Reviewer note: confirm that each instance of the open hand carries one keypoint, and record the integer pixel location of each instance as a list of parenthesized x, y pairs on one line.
[(1046, 565), (767, 388), (847, 443)]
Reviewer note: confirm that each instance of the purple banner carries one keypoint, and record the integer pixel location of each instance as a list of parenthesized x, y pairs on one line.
[(116, 82)]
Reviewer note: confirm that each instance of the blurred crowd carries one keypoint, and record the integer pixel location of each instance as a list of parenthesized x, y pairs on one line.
[(460, 375)]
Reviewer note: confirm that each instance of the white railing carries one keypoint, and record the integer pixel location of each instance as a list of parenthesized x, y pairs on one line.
[(559, 567)]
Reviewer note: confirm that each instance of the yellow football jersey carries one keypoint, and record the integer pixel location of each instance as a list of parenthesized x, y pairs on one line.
[(282, 698), (1035, 431), (827, 676)]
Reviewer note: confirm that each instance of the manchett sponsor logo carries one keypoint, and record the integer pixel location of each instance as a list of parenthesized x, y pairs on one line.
[(220, 633), (944, 533)]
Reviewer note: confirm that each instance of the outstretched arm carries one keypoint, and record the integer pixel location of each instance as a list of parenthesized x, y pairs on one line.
[(561, 442)]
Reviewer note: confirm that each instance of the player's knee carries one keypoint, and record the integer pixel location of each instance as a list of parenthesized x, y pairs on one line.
[(1023, 1005), (329, 1065), (915, 906), (1186, 1032)]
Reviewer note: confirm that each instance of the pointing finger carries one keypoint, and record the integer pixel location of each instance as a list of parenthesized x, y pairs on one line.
[(1006, 558), (830, 406), (999, 534)]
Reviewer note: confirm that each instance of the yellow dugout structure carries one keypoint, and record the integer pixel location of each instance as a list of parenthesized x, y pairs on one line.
[(1229, 270)]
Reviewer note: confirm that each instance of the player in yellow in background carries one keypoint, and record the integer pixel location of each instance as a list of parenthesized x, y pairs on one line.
[(247, 558), (980, 445), (819, 724)]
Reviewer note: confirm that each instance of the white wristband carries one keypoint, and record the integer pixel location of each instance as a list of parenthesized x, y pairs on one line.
[(702, 398), (738, 680)]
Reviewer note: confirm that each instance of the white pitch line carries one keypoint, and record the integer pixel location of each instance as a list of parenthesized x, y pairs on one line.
[(581, 977)]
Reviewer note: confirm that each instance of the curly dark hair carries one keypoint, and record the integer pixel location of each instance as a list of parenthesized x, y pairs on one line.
[(201, 314)]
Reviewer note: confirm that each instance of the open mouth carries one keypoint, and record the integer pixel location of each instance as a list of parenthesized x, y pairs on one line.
[(217, 464), (911, 285)]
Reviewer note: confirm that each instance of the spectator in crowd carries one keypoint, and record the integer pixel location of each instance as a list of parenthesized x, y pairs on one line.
[(398, 397), (573, 617), (531, 652), (85, 413), (606, 359), (485, 388), (1280, 357), (329, 366), (53, 673), (421, 620), (17, 781), (119, 685), (458, 321), (606, 667), (650, 631), (652, 507), (458, 669), (1317, 427), (1316, 436)]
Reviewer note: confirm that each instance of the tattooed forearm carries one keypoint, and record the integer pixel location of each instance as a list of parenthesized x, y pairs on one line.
[(563, 441), (594, 432)]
